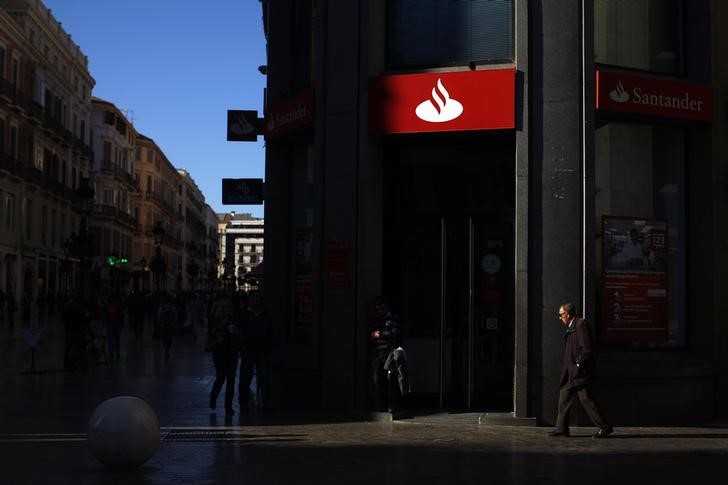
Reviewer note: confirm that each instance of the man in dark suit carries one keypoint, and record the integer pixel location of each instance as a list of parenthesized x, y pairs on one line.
[(576, 374)]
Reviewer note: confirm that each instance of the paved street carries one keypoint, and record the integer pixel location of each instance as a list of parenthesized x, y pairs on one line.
[(43, 419)]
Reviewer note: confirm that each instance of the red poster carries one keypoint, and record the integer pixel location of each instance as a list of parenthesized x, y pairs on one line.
[(634, 280), (338, 261), (443, 101), (671, 98)]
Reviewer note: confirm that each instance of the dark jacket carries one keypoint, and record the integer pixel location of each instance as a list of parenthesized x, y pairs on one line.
[(578, 366)]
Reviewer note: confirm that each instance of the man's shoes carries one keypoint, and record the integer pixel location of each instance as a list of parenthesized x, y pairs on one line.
[(558, 433), (603, 432)]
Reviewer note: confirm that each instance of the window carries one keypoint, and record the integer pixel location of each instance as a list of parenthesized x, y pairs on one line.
[(452, 32), (28, 219), (43, 225), (14, 142), (83, 131), (10, 211), (107, 152), (640, 34), (640, 176), (54, 228), (15, 74)]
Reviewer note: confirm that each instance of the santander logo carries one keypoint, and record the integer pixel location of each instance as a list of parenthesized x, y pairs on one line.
[(440, 107), (619, 95)]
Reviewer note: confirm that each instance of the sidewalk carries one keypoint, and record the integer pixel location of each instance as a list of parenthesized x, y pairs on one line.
[(43, 420)]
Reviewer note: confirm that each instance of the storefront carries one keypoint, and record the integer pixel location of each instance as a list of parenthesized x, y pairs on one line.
[(479, 165)]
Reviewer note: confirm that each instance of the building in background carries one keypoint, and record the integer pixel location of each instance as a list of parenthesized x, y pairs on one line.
[(113, 221), (45, 110), (195, 232), (241, 248), (479, 164)]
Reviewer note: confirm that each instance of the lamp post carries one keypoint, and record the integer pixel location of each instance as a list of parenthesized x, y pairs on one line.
[(85, 196), (192, 267), (159, 266), (140, 275)]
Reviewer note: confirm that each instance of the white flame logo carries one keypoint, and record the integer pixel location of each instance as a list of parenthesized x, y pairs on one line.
[(619, 95), (440, 107), (242, 126)]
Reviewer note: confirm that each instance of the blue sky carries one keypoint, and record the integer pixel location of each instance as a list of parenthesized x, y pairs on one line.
[(178, 66)]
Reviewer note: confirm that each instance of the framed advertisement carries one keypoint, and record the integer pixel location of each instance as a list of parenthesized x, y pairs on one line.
[(634, 292)]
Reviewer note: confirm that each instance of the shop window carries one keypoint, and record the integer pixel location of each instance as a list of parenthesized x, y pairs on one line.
[(639, 34), (640, 244), (453, 32)]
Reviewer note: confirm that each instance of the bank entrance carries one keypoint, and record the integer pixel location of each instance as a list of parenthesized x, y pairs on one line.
[(449, 267)]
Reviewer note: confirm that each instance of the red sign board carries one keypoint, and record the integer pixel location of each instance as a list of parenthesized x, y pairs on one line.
[(443, 101), (289, 115), (338, 261), (634, 280), (670, 98)]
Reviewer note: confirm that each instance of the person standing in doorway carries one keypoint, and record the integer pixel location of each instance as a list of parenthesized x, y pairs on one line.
[(576, 374), (385, 337)]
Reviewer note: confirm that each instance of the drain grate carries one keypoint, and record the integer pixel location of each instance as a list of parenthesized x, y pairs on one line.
[(198, 435)]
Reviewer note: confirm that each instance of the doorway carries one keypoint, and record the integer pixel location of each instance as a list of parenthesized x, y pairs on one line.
[(449, 268)]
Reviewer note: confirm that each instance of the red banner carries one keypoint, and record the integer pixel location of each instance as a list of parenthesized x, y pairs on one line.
[(634, 280), (670, 98), (443, 101)]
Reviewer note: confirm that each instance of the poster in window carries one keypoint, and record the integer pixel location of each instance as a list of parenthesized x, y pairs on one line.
[(634, 280)]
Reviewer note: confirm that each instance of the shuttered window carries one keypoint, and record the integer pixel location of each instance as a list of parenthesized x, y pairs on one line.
[(448, 32)]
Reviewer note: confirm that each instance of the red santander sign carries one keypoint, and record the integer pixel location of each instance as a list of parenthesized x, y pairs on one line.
[(442, 101), (669, 98)]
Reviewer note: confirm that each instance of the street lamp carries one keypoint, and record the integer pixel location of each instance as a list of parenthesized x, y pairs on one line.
[(159, 266), (141, 274), (192, 267), (85, 196), (68, 246)]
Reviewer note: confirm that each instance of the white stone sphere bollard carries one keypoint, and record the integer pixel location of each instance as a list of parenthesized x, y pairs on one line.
[(123, 432)]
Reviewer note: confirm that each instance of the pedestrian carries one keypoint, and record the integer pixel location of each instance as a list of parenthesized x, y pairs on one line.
[(255, 353), (137, 314), (385, 337), (167, 321), (223, 340), (76, 321), (196, 315), (576, 374), (11, 308), (114, 324)]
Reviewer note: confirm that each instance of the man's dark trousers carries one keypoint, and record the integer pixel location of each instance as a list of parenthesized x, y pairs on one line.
[(568, 394)]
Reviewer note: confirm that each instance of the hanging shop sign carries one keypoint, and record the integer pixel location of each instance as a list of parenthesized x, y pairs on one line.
[(443, 101), (289, 115), (634, 280), (669, 98), (243, 125), (242, 191)]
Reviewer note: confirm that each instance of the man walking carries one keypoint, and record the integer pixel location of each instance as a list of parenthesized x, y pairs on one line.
[(576, 374)]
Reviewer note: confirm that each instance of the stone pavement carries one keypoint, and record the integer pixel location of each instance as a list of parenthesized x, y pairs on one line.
[(43, 419)]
